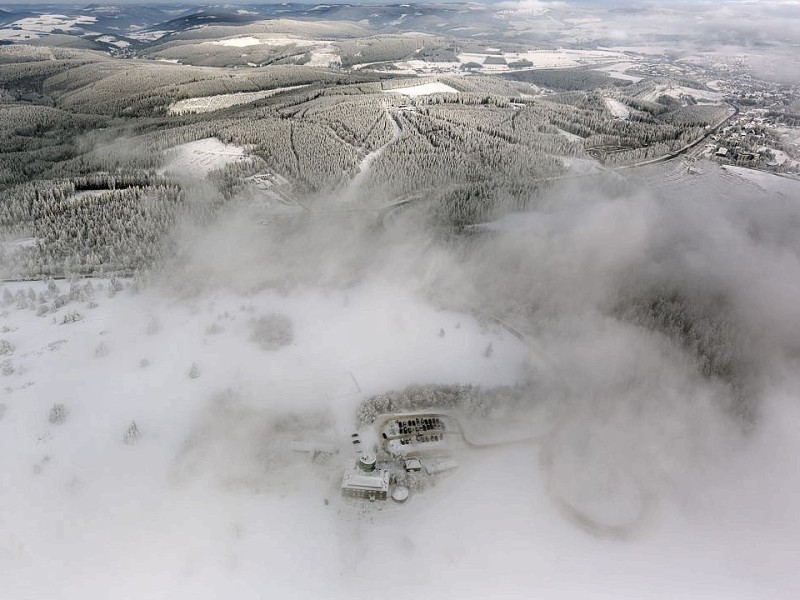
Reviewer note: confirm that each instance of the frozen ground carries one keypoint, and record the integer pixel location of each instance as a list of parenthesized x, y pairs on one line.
[(205, 499), (425, 89), (365, 165), (241, 42), (37, 27), (544, 59), (618, 71), (790, 135), (267, 40), (198, 158), (650, 49), (582, 166), (109, 39), (677, 92), (781, 158), (322, 52), (211, 103), (147, 36), (21, 242), (278, 40), (146, 439), (618, 109), (200, 494), (570, 136), (762, 181), (677, 178), (539, 59), (324, 56)]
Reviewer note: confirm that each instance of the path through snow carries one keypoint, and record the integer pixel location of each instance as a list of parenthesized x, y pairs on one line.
[(366, 163)]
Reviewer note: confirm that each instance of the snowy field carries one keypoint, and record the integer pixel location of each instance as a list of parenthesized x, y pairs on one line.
[(108, 39), (781, 158), (790, 135), (146, 36), (570, 136), (272, 40), (561, 58), (762, 182), (197, 159), (582, 166), (322, 52), (617, 108), (147, 448), (425, 89), (240, 42), (38, 27), (324, 57), (725, 180), (677, 92), (618, 71), (206, 104), (499, 62), (147, 437)]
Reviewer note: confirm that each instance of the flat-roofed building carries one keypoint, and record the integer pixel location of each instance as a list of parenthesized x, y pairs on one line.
[(363, 480)]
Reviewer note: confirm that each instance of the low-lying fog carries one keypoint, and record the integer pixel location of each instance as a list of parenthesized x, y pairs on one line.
[(146, 437)]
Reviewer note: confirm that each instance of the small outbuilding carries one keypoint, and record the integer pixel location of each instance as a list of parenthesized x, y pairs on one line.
[(412, 465)]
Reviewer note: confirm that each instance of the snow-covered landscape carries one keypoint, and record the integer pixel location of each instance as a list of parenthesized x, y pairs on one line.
[(425, 89), (149, 440), (617, 108), (452, 301), (134, 458), (220, 101), (197, 159), (32, 28)]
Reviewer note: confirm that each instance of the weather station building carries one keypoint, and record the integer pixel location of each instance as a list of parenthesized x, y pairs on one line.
[(363, 480)]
